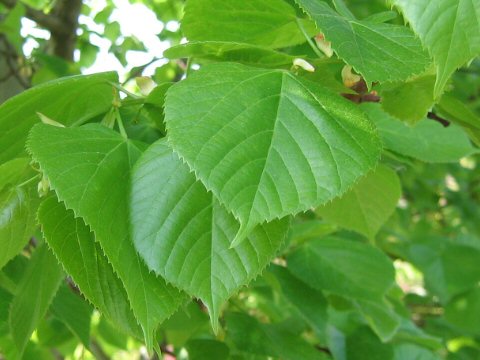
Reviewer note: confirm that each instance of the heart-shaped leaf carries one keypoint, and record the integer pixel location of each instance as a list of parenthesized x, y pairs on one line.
[(266, 143)]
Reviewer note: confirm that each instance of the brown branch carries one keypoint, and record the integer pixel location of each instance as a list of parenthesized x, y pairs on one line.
[(63, 41), (435, 117), (10, 60)]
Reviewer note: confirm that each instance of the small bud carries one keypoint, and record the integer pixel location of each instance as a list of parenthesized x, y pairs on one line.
[(43, 186), (46, 120), (348, 77), (324, 45), (145, 84), (303, 64)]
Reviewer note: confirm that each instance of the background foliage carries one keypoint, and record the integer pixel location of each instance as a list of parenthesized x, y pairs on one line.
[(321, 200)]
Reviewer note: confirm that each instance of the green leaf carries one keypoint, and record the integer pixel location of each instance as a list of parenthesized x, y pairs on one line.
[(89, 169), (381, 317), (201, 349), (449, 29), (266, 143), (270, 23), (379, 52), (34, 295), (364, 345), (18, 206), (428, 140), (310, 303), (413, 352), (184, 234), (74, 312), (343, 267), (409, 101), (252, 337), (246, 54), (463, 312), (448, 268), (68, 236), (368, 205), (459, 113), (70, 100)]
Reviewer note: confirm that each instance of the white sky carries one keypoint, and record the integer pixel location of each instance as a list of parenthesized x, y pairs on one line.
[(134, 19)]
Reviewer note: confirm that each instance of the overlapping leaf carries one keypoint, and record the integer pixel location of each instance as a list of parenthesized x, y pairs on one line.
[(380, 52), (427, 141), (252, 337), (68, 100), (409, 101), (184, 234), (450, 29), (266, 143), (343, 267), (89, 169), (74, 245), (229, 51), (269, 23), (368, 205)]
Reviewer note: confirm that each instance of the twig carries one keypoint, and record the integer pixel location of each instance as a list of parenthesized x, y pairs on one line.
[(435, 117)]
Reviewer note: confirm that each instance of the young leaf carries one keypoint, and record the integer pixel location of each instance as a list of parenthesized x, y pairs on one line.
[(68, 100), (344, 267), (362, 344), (428, 140), (270, 23), (68, 237), (367, 206), (89, 169), (266, 143), (184, 234), (448, 28), (380, 52), (34, 294)]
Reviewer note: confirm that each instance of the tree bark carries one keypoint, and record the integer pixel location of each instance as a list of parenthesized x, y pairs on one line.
[(11, 81), (62, 23)]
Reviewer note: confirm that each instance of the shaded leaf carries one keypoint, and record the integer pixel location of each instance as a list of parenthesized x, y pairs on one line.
[(34, 295), (409, 101), (270, 23), (74, 312), (229, 51), (428, 140), (368, 205), (310, 303), (250, 336), (343, 267)]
